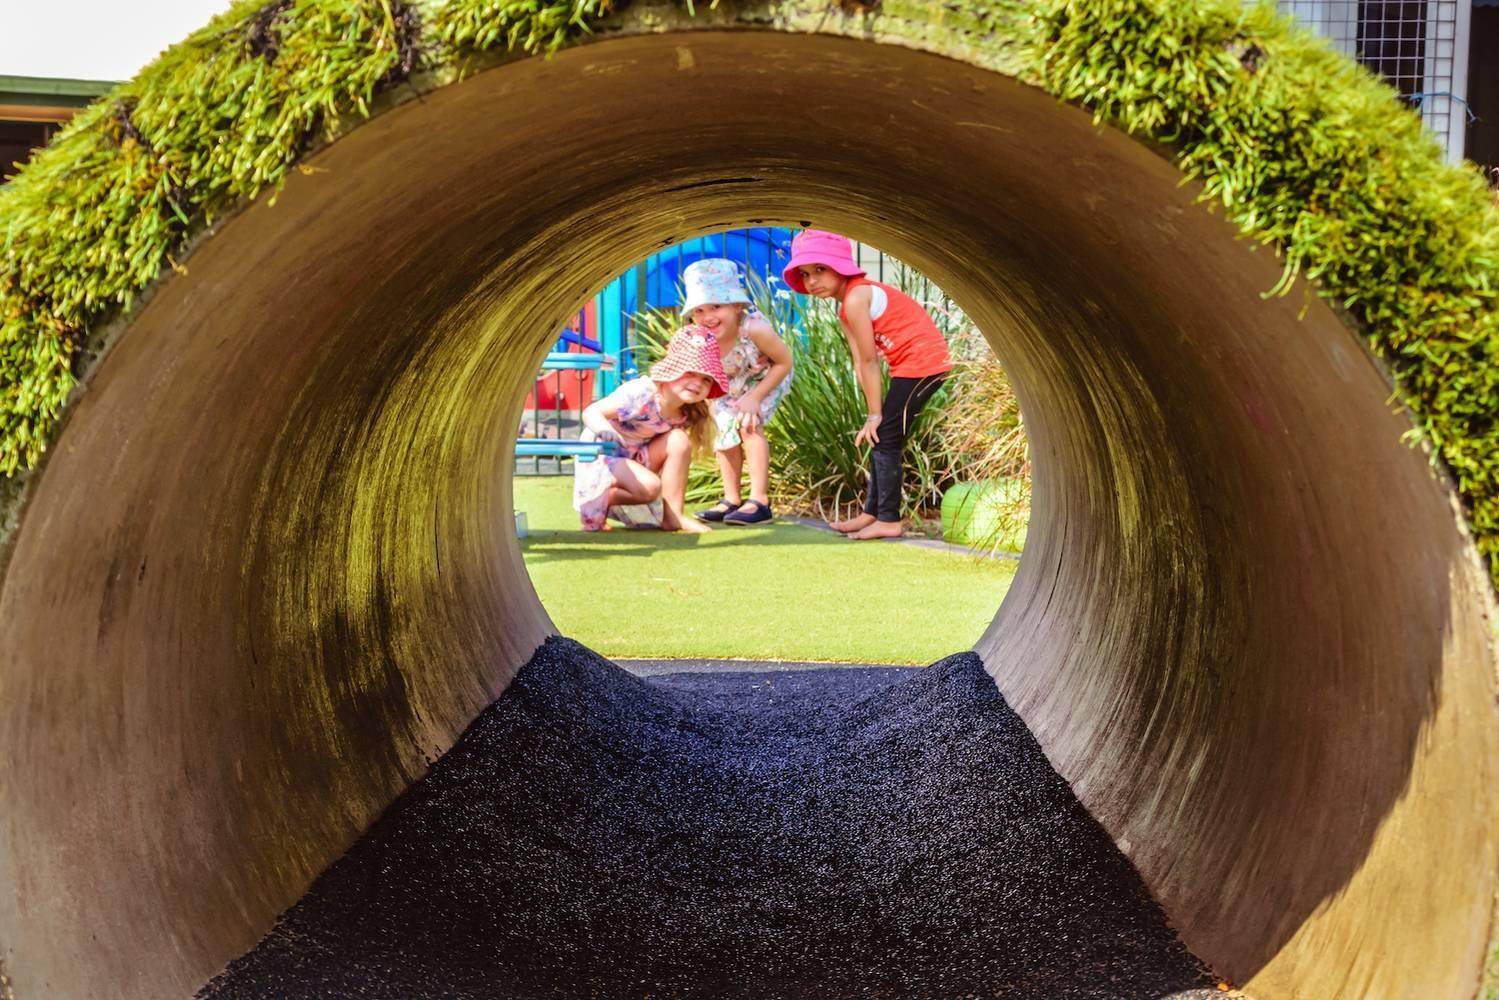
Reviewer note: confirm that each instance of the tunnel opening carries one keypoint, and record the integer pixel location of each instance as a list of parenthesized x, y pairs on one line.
[(1259, 673), (785, 590)]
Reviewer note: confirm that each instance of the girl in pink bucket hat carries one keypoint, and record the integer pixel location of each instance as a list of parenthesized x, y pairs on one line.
[(757, 364), (880, 321), (658, 421)]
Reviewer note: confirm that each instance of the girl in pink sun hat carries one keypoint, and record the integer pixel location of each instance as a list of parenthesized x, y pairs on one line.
[(880, 321), (658, 422)]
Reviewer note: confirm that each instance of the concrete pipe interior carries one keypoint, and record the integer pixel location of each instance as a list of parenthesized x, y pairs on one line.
[(267, 572)]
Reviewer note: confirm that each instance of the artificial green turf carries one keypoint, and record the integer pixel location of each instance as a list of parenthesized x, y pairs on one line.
[(778, 591)]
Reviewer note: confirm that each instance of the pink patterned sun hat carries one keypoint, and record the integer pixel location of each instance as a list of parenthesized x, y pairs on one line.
[(815, 246), (692, 349), (711, 281)]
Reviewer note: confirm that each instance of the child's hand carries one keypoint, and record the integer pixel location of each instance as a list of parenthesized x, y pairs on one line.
[(607, 433), (870, 432), (749, 413)]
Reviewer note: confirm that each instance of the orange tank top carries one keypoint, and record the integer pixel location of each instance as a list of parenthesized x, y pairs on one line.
[(904, 334)]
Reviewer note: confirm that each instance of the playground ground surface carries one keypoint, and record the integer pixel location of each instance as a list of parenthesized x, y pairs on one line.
[(782, 591)]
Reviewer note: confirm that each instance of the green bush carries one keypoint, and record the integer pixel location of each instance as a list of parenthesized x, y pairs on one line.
[(982, 428), (982, 514)]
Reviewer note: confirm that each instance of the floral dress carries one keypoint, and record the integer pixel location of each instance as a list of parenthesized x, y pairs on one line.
[(638, 421), (745, 367)]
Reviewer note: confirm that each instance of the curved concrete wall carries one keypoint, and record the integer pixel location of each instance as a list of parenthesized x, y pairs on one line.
[(266, 572)]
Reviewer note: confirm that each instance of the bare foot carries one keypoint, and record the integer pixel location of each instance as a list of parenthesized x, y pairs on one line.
[(879, 529), (852, 524), (689, 525)]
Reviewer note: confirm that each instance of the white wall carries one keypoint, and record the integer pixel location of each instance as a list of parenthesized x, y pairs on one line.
[(94, 39)]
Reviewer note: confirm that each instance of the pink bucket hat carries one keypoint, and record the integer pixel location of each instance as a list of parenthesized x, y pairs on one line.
[(692, 349), (814, 246)]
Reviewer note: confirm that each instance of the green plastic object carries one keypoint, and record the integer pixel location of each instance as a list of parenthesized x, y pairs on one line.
[(986, 514)]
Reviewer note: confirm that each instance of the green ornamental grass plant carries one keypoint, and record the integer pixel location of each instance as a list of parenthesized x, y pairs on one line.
[(1308, 153)]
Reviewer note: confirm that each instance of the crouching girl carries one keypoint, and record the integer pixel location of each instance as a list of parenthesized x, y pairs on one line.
[(658, 422)]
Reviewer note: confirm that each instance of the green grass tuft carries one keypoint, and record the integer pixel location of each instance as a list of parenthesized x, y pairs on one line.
[(525, 25)]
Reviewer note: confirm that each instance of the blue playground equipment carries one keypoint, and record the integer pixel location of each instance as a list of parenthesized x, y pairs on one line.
[(655, 283), (588, 450), (559, 361)]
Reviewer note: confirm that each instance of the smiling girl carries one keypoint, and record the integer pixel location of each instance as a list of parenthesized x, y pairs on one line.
[(658, 422), (757, 365)]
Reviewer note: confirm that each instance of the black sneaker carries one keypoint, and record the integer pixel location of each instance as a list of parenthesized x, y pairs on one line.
[(759, 515), (717, 512)]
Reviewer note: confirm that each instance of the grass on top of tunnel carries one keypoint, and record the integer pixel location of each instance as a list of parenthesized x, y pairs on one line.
[(1301, 148), (780, 591)]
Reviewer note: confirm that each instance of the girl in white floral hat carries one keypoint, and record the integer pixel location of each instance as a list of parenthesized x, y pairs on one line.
[(757, 364)]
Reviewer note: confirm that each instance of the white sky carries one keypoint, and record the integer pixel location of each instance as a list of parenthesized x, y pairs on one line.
[(94, 39)]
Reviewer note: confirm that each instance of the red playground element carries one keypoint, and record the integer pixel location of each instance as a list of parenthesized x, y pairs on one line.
[(569, 390)]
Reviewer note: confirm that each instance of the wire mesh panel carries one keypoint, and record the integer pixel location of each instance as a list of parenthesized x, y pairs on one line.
[(1335, 20), (1419, 46)]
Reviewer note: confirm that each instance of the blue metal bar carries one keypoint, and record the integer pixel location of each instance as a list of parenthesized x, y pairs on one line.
[(583, 341), (562, 361), (563, 449)]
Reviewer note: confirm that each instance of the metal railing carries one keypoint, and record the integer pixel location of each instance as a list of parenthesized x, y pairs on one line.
[(1419, 46)]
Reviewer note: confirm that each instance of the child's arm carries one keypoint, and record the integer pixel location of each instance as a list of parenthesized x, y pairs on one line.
[(599, 415), (859, 329), (774, 348)]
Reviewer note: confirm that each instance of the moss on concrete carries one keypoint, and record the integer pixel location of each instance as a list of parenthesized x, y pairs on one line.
[(1306, 152)]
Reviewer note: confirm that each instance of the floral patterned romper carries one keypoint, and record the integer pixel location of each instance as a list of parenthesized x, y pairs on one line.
[(745, 367), (638, 420)]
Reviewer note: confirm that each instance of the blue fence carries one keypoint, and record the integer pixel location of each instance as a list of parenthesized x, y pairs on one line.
[(656, 283)]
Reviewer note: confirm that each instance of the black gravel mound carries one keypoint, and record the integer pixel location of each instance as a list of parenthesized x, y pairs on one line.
[(838, 832)]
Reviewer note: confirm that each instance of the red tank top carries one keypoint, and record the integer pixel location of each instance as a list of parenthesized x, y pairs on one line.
[(904, 334)]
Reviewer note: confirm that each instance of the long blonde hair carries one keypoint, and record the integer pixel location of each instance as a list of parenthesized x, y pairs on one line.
[(699, 422), (699, 427)]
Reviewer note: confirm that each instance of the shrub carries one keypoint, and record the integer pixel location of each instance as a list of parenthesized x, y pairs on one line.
[(983, 432)]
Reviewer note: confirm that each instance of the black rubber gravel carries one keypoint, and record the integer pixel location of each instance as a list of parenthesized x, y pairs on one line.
[(814, 832)]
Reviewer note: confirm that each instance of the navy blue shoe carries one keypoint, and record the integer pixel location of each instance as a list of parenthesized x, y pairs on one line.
[(759, 515), (717, 512)]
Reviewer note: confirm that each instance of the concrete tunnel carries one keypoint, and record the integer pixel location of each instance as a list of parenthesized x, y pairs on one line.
[(267, 571)]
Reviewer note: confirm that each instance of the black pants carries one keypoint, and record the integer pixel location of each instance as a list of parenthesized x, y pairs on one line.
[(904, 400)]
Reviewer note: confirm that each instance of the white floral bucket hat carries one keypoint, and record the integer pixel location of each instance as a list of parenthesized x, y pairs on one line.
[(711, 281)]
